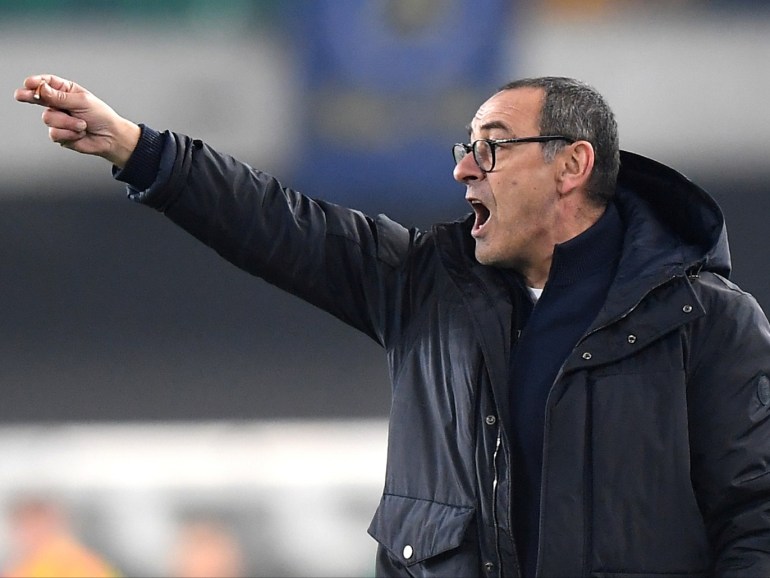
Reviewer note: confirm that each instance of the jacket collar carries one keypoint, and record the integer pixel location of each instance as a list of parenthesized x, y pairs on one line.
[(595, 249)]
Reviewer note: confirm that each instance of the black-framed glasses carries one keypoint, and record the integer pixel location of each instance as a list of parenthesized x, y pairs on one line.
[(483, 149)]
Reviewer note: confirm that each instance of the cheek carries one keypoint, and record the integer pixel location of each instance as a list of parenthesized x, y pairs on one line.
[(516, 204), (505, 193)]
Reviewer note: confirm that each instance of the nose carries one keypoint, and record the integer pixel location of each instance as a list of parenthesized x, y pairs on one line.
[(467, 170)]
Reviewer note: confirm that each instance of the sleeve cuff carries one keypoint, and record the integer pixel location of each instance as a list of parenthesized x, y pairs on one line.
[(143, 165)]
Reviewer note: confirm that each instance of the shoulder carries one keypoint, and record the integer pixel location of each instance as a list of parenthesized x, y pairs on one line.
[(720, 295), (734, 328)]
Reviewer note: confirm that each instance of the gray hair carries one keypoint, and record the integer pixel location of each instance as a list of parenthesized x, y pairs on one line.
[(577, 110)]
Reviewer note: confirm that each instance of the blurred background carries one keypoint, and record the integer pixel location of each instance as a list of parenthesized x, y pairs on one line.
[(168, 415)]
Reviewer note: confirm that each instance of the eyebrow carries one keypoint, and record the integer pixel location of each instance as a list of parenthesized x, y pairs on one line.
[(490, 126)]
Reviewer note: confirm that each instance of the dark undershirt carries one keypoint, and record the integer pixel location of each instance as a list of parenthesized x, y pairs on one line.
[(581, 273)]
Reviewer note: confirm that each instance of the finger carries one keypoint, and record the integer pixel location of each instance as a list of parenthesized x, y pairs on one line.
[(65, 137), (58, 119), (50, 90), (62, 99), (36, 95), (32, 86), (56, 82), (24, 95)]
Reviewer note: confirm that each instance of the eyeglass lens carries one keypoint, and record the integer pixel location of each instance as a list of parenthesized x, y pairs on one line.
[(459, 152), (483, 153)]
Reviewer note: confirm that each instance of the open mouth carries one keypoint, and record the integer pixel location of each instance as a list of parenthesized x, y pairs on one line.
[(482, 215)]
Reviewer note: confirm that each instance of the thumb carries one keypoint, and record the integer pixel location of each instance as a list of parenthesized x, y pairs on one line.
[(61, 97), (47, 95)]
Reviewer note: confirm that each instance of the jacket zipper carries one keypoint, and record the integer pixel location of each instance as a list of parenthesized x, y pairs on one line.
[(498, 444)]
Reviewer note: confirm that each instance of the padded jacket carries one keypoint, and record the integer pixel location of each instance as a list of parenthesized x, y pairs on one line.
[(657, 438)]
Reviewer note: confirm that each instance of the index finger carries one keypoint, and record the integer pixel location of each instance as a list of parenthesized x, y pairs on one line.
[(56, 95), (57, 82)]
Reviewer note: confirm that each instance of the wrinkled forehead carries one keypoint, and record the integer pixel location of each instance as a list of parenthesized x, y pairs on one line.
[(509, 113)]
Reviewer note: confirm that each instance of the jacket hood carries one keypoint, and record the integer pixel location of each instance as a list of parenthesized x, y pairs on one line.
[(670, 220)]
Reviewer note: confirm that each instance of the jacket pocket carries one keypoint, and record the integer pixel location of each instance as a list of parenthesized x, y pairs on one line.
[(414, 530)]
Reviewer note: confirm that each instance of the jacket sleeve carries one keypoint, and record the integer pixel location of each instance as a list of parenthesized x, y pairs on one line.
[(729, 407), (335, 258)]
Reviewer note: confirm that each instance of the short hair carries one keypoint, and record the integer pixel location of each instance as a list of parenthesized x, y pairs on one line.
[(573, 108)]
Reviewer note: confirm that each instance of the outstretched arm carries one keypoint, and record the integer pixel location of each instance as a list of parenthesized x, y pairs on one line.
[(335, 258), (78, 120)]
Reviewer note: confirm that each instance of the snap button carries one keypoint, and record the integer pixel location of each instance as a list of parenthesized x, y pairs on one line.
[(687, 308), (490, 419), (489, 566), (632, 338), (763, 390), (587, 355), (408, 551)]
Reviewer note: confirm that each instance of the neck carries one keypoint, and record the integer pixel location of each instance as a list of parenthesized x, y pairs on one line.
[(579, 220)]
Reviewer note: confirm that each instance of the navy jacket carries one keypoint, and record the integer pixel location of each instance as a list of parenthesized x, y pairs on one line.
[(657, 438)]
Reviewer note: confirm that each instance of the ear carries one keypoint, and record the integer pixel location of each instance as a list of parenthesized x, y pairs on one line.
[(576, 166)]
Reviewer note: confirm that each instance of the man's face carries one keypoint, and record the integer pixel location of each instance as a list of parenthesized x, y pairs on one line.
[(515, 203)]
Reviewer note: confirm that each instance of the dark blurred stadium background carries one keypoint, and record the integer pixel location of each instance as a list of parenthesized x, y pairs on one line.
[(114, 322)]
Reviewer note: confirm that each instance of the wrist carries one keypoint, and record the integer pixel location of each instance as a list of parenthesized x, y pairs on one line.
[(127, 135)]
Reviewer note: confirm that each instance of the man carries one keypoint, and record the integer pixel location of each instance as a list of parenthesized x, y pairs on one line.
[(44, 545), (577, 388)]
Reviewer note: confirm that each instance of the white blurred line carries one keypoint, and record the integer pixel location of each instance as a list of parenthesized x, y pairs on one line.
[(194, 456)]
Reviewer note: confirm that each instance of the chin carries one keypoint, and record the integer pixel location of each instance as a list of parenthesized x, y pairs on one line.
[(485, 258), (492, 259)]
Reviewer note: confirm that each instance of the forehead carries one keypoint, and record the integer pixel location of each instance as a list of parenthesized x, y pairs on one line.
[(515, 112)]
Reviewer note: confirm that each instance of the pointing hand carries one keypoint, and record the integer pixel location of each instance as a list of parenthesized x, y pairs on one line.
[(78, 120)]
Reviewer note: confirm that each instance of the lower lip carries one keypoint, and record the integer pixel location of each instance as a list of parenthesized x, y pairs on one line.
[(478, 230)]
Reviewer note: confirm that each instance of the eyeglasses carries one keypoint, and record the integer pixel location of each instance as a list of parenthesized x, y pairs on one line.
[(484, 149)]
